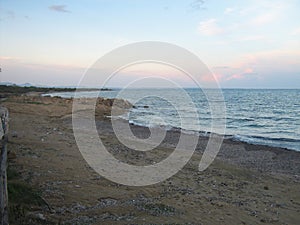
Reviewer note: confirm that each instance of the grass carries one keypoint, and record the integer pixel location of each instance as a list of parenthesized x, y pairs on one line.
[(21, 198), (20, 193), (12, 173), (22, 90), (14, 89)]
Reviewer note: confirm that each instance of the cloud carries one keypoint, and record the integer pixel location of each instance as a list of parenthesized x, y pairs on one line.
[(17, 70), (245, 21), (268, 12), (210, 27), (264, 18), (59, 8), (197, 5), (262, 69), (6, 15), (295, 31), (254, 38), (11, 14), (8, 58), (229, 10), (228, 73), (241, 75)]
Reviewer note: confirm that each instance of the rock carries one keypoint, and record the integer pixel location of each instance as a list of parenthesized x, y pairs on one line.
[(14, 134), (52, 211), (263, 220), (40, 216)]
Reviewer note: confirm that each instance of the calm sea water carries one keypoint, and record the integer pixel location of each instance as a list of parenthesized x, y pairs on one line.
[(268, 117)]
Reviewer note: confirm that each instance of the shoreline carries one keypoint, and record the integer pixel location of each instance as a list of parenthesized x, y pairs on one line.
[(277, 142), (206, 134)]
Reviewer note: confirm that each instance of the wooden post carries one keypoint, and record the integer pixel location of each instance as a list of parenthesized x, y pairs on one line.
[(3, 166)]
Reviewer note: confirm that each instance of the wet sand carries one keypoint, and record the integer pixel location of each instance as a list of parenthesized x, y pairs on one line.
[(246, 184)]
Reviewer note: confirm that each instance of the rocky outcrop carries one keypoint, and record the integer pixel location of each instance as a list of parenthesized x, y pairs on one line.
[(58, 107)]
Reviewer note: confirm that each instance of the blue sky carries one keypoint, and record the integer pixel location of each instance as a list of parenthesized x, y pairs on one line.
[(246, 44)]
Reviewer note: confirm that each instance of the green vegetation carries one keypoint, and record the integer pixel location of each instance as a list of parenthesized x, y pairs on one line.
[(22, 198), (7, 90), (22, 90), (12, 173), (21, 193)]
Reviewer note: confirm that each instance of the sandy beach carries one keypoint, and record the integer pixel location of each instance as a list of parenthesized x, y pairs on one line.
[(246, 184)]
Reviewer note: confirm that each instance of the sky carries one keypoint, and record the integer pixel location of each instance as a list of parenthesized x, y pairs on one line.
[(246, 44)]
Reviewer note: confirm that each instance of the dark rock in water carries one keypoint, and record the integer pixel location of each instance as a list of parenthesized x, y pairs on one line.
[(105, 89), (146, 106)]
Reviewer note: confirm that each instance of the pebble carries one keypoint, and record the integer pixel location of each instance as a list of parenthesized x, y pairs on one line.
[(40, 216), (14, 134), (52, 211)]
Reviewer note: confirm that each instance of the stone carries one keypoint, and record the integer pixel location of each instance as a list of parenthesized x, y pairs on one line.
[(14, 134)]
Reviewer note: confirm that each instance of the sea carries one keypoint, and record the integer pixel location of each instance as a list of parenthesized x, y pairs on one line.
[(257, 116)]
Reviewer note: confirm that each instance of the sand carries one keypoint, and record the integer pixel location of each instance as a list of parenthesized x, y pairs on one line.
[(246, 184)]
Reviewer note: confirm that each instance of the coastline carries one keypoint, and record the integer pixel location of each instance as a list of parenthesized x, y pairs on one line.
[(246, 183), (234, 138), (270, 133)]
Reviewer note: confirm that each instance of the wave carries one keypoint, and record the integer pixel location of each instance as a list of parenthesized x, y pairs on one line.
[(267, 138), (288, 143)]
